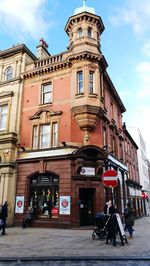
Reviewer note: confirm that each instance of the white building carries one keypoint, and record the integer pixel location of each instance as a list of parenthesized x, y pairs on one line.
[(143, 167)]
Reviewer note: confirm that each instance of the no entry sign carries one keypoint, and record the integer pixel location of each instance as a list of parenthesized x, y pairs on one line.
[(109, 178)]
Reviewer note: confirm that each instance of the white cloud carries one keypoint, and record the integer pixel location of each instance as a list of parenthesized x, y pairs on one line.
[(20, 18), (135, 14)]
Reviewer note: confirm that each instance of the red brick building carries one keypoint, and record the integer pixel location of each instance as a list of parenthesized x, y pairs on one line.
[(133, 189), (71, 129)]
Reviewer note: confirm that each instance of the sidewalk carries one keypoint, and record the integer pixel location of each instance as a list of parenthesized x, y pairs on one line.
[(45, 242)]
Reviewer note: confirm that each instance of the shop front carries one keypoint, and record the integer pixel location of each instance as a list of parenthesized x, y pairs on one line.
[(65, 189)]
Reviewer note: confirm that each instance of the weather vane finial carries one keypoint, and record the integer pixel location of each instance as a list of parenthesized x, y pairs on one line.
[(84, 2)]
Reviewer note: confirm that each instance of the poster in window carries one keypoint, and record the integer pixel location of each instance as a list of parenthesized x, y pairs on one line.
[(19, 208), (64, 205)]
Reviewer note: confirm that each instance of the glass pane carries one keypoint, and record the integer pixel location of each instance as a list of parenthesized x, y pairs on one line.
[(55, 134), (79, 33), (9, 73), (47, 97), (80, 76), (35, 137), (89, 32), (45, 136), (47, 93), (47, 88), (80, 87), (3, 116)]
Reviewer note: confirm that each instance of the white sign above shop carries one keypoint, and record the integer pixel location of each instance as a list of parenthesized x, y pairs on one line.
[(87, 171)]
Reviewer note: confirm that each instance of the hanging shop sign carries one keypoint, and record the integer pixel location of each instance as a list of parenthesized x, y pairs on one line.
[(64, 205), (19, 208)]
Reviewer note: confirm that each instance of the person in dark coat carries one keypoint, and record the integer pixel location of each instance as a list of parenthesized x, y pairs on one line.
[(27, 218), (129, 219), (4, 214), (110, 210)]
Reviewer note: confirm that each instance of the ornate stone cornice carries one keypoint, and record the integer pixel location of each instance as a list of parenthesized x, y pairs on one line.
[(46, 69), (57, 63), (85, 16)]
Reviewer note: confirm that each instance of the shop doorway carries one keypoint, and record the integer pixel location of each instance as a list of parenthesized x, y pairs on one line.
[(86, 206)]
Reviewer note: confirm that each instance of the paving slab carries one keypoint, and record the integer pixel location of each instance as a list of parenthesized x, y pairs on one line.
[(74, 243)]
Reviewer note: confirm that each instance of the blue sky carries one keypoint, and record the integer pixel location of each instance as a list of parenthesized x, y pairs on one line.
[(125, 43)]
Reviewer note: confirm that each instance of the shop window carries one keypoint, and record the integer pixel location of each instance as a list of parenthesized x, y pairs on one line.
[(44, 195), (80, 32), (3, 116), (91, 82), (80, 82), (46, 93), (44, 137), (8, 73)]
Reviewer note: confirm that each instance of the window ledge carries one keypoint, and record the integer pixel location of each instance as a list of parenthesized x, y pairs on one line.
[(93, 95), (45, 104), (3, 131), (79, 95), (2, 83)]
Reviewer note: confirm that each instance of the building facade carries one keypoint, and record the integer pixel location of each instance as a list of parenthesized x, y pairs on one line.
[(61, 128), (12, 65), (143, 168), (133, 187), (71, 129)]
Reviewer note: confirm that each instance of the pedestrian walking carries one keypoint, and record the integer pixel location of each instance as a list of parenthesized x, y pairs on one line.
[(4, 214), (129, 219)]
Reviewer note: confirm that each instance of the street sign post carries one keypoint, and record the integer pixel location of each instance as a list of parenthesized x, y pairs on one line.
[(109, 178)]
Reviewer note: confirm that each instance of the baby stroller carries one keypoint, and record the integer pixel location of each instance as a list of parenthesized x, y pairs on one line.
[(100, 231)]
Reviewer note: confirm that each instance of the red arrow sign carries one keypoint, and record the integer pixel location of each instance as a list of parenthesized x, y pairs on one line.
[(109, 178)]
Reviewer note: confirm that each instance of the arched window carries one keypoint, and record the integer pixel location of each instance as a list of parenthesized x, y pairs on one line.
[(80, 32), (8, 73), (44, 194), (90, 32)]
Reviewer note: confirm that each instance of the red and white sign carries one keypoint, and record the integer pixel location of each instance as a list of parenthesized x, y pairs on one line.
[(19, 208), (110, 178), (144, 195), (64, 205)]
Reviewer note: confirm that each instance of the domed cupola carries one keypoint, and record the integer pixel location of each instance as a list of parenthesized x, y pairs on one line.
[(84, 29)]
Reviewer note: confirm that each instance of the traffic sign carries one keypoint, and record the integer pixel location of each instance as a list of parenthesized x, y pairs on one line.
[(109, 178)]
